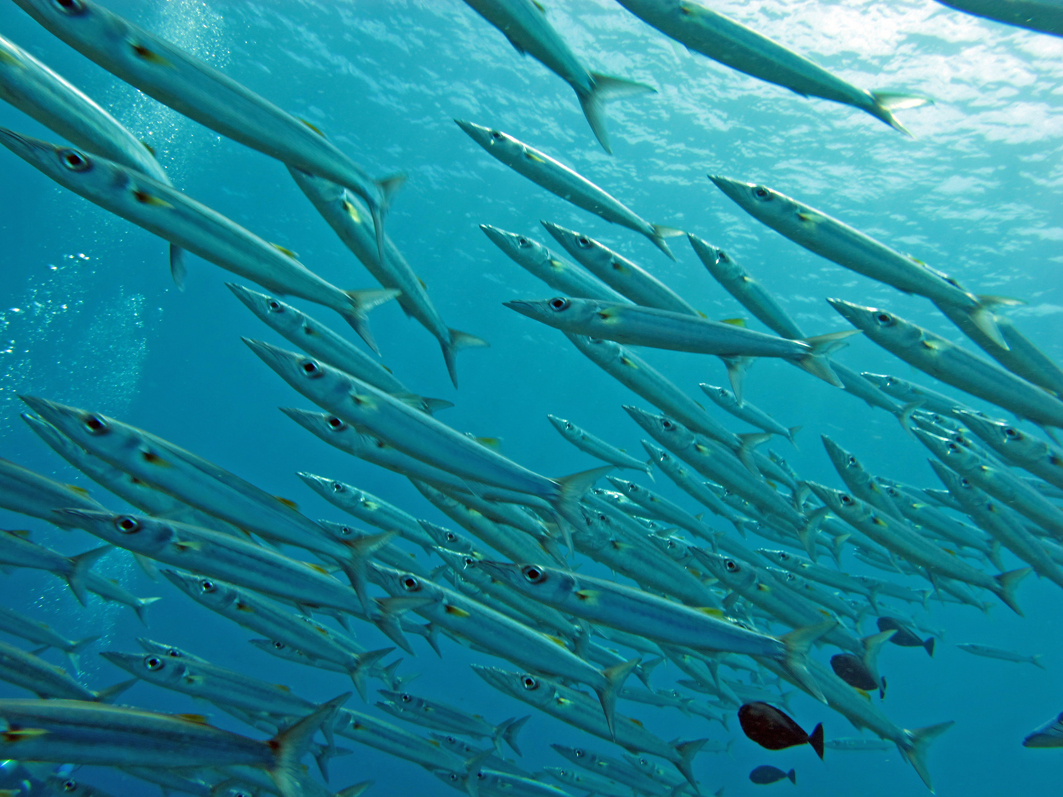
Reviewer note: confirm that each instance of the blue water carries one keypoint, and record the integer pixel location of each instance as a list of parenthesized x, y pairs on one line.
[(90, 317)]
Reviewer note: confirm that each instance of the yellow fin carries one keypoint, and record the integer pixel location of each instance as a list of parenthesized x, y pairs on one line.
[(22, 733), (147, 54), (152, 458), (587, 594), (735, 322), (283, 688), (864, 694), (192, 545), (421, 281), (78, 490), (243, 607), (539, 6), (149, 148), (634, 721), (557, 640), (318, 568), (628, 362), (144, 198), (288, 502), (711, 612), (352, 211), (198, 719), (313, 127), (494, 443), (533, 157), (456, 611), (285, 250)]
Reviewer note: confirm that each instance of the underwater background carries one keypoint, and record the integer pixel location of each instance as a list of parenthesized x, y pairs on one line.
[(90, 317)]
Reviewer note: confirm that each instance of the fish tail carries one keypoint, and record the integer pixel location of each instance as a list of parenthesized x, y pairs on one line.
[(873, 646), (570, 491), (614, 680), (687, 751), (917, 743), (736, 374), (82, 564), (791, 433), (354, 568), (391, 611), (177, 266), (606, 88), (928, 646), (364, 663), (981, 315), (357, 312), (807, 534), (141, 609), (660, 232), (111, 693), (459, 340), (798, 643), (1008, 582), (816, 740), (815, 362), (886, 102), (390, 678), (510, 731), (643, 672), (1036, 661), (73, 653), (792, 775), (291, 745), (836, 549), (356, 789), (378, 207), (750, 442)]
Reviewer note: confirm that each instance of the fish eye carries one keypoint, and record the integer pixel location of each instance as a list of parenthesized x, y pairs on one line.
[(480, 776), (405, 698), (762, 193), (74, 161), (965, 484), (667, 425), (469, 561), (127, 525), (95, 425), (410, 584), (852, 462), (451, 537), (497, 136), (71, 8), (336, 424), (558, 304), (633, 488), (274, 306), (337, 487), (346, 531), (578, 753), (523, 242), (722, 256), (206, 585), (884, 319), (529, 683), (731, 565), (153, 663), (845, 499), (1012, 434), (784, 556), (279, 646), (311, 369), (583, 241), (953, 447), (451, 740), (70, 785), (533, 574)]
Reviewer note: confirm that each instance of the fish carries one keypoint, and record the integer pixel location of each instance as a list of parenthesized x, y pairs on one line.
[(1036, 456), (596, 447), (854, 672), (613, 768), (29, 493), (79, 732), (726, 400), (164, 211), (953, 365), (17, 624), (990, 652), (440, 716), (618, 272), (852, 249), (558, 179), (390, 269), (766, 774), (738, 282), (1048, 735), (732, 44), (1041, 16), (197, 90), (772, 729), (904, 636), (589, 782), (662, 329), (524, 24), (26, 671)]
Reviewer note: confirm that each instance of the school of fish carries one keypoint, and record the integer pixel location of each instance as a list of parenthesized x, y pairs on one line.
[(573, 583)]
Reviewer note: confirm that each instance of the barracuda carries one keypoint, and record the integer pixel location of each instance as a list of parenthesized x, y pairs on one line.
[(1036, 456), (202, 93), (166, 212), (11, 622), (596, 447), (658, 619), (564, 182), (442, 717)]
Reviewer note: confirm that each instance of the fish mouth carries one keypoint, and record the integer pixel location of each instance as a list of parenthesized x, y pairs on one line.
[(473, 130), (524, 308), (29, 149)]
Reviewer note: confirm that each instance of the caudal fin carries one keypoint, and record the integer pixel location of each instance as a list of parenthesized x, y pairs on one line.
[(291, 745), (510, 730), (571, 490), (916, 747), (141, 609), (886, 102), (363, 664), (357, 314), (687, 751), (660, 232), (614, 681), (73, 653), (798, 643), (378, 207), (872, 646), (816, 740), (815, 362), (82, 564), (459, 340), (606, 88), (1008, 583)]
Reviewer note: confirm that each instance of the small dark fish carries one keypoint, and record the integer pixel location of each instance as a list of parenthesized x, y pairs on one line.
[(905, 636), (851, 669), (764, 775), (771, 729)]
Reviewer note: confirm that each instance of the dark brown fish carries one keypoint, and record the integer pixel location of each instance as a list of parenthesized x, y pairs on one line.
[(773, 730), (853, 671), (764, 775), (905, 637)]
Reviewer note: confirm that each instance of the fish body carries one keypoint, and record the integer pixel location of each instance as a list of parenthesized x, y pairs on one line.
[(1037, 456), (752, 295), (22, 669), (393, 740), (852, 670), (766, 774), (29, 493), (732, 44), (858, 480), (16, 624), (589, 782), (661, 507), (726, 400), (1048, 735), (355, 228), (613, 768), (618, 272), (202, 93), (1042, 16), (856, 385), (558, 179), (36, 90), (168, 213), (857, 745), (990, 652), (904, 636), (692, 485), (595, 446), (443, 717), (773, 729), (953, 365)]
